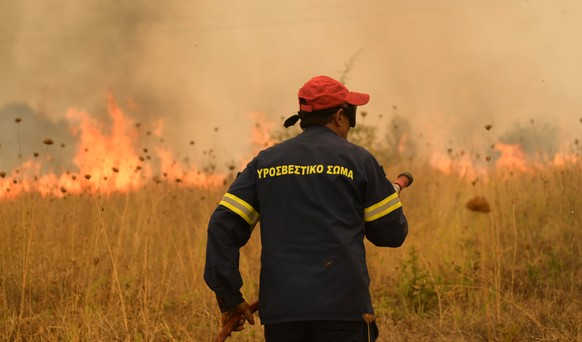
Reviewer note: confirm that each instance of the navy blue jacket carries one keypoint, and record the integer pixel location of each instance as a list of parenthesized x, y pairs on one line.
[(317, 196)]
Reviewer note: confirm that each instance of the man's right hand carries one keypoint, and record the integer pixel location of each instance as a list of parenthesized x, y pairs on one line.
[(243, 310)]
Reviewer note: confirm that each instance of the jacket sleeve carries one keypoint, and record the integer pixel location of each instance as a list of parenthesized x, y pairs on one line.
[(229, 228), (385, 223)]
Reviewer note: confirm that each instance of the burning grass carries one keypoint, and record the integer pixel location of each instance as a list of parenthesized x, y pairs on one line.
[(115, 249)]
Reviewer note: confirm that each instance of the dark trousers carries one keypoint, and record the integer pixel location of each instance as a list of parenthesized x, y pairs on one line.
[(321, 331)]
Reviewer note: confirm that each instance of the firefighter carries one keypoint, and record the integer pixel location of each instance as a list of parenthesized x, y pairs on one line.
[(317, 197)]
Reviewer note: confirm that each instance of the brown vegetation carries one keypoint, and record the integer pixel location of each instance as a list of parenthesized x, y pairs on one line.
[(129, 266)]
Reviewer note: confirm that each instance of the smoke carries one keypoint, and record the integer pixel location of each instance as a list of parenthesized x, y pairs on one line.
[(22, 138), (449, 66), (58, 56)]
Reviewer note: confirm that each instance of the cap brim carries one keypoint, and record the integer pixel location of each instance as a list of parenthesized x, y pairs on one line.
[(357, 99)]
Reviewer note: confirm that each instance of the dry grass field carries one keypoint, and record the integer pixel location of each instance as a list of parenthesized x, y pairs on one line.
[(128, 266), (493, 257)]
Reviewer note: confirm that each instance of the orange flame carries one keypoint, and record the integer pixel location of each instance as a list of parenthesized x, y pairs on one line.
[(108, 161), (461, 164), (262, 132), (101, 155), (403, 143), (512, 157)]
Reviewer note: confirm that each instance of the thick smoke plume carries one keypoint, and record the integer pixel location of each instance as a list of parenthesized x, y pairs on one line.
[(449, 67)]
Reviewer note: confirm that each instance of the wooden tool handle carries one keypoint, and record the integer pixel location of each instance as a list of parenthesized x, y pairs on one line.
[(232, 323)]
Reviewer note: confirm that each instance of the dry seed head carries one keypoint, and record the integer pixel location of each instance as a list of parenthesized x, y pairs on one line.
[(478, 204), (191, 142), (73, 177), (369, 318), (63, 190), (488, 158), (35, 154), (2, 174), (48, 141), (87, 177), (488, 126), (114, 169), (17, 120)]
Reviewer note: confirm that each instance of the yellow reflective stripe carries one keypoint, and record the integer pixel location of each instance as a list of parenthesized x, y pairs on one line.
[(242, 208), (385, 207)]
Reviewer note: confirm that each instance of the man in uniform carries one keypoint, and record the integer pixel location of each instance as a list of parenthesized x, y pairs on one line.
[(317, 197)]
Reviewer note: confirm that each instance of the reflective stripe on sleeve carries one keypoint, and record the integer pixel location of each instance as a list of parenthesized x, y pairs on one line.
[(383, 208), (242, 208)]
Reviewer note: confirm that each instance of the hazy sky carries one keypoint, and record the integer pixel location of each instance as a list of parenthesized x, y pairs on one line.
[(450, 66)]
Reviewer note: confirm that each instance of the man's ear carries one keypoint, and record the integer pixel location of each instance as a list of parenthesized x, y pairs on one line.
[(338, 117)]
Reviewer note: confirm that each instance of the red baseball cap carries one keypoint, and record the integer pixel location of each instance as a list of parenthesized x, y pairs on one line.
[(324, 92)]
